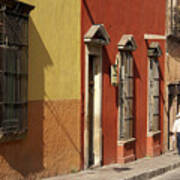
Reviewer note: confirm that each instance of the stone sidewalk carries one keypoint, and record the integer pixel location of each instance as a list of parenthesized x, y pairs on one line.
[(142, 169)]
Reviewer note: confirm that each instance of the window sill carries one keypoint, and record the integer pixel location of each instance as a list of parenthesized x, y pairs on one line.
[(153, 133), (123, 142), (12, 137)]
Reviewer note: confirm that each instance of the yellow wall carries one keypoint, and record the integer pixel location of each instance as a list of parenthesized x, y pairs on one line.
[(54, 49)]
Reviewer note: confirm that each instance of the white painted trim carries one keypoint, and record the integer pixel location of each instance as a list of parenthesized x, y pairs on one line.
[(97, 136), (154, 36), (96, 50), (89, 36), (86, 127), (95, 41), (153, 133), (121, 143)]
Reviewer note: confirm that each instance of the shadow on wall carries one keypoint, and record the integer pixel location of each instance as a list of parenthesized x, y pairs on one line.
[(173, 45), (88, 12), (26, 156)]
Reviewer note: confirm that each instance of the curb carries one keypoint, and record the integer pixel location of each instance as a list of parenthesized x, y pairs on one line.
[(142, 169), (153, 172)]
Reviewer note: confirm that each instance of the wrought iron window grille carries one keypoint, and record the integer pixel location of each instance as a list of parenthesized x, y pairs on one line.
[(13, 67)]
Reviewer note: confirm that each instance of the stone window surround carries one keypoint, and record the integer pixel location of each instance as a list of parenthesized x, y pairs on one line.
[(126, 44)]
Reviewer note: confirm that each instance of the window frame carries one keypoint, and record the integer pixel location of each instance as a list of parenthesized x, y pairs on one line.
[(153, 94), (154, 52), (14, 66), (126, 46), (126, 84)]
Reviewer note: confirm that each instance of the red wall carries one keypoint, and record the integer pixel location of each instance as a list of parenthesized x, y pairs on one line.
[(120, 17)]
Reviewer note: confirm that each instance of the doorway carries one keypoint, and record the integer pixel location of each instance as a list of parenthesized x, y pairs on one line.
[(173, 109), (93, 120), (95, 39)]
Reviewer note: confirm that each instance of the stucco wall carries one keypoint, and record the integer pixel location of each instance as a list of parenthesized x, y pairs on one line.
[(173, 60), (125, 17), (54, 38), (172, 65), (173, 45), (172, 76), (52, 145)]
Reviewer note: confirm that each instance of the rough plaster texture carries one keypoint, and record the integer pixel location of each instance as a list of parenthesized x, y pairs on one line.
[(142, 18), (54, 50), (172, 75), (52, 145), (153, 145), (126, 153), (173, 60)]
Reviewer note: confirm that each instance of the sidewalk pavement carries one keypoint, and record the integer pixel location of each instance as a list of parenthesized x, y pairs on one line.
[(141, 169)]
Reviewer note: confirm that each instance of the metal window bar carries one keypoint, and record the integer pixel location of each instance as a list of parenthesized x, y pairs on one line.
[(126, 96), (121, 99), (13, 72), (13, 29), (153, 95)]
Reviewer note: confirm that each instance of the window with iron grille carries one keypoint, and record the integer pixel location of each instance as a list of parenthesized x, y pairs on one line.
[(13, 67), (126, 95), (154, 82)]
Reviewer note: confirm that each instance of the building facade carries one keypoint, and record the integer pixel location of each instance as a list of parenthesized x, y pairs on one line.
[(172, 70), (140, 132), (52, 143), (96, 86)]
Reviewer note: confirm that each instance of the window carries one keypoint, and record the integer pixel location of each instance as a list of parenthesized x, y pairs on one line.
[(173, 18), (126, 95), (126, 87), (154, 52), (13, 68), (154, 113)]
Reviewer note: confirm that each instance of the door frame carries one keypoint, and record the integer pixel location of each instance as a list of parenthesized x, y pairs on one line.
[(95, 38), (96, 51)]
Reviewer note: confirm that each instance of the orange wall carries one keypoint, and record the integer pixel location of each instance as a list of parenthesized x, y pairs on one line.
[(51, 146)]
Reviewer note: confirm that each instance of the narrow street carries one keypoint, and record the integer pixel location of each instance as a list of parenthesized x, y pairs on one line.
[(172, 175), (144, 169)]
